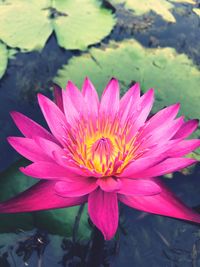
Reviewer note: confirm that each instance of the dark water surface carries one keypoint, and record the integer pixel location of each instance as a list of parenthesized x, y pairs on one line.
[(144, 240)]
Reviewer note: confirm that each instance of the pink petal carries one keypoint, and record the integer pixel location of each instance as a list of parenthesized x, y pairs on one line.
[(28, 148), (160, 150), (183, 148), (76, 97), (186, 129), (161, 118), (29, 128), (109, 184), (165, 203), (163, 134), (143, 109), (129, 102), (53, 116), (167, 166), (132, 93), (47, 147), (139, 187), (71, 113), (50, 171), (41, 196), (91, 97), (58, 96), (138, 166), (109, 105), (78, 187), (61, 159), (103, 211)]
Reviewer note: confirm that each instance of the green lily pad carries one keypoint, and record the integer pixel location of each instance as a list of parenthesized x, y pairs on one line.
[(184, 1), (60, 222), (83, 23), (174, 76), (162, 7), (3, 59), (25, 24), (196, 11), (12, 182), (76, 25)]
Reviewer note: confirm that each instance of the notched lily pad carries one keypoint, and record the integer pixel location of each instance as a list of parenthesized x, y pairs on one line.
[(76, 25), (81, 24), (25, 24), (174, 76)]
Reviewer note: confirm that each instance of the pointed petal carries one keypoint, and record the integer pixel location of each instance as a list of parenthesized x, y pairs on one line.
[(49, 171), (29, 128), (91, 97), (71, 113), (163, 134), (57, 90), (41, 196), (103, 211), (47, 147), (109, 184), (143, 109), (161, 118), (186, 129), (53, 116), (165, 203), (167, 166), (139, 187), (28, 148), (78, 187), (76, 97), (132, 94), (109, 105), (183, 148), (138, 166)]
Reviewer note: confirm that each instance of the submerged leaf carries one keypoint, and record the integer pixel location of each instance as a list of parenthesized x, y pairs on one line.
[(174, 76), (60, 222)]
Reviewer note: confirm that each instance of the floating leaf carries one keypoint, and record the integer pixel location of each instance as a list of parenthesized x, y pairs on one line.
[(60, 221), (12, 181), (184, 1), (25, 24), (28, 24), (174, 76), (3, 59), (162, 7), (197, 11), (81, 24)]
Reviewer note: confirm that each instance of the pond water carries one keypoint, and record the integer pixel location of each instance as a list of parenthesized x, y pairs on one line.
[(143, 239)]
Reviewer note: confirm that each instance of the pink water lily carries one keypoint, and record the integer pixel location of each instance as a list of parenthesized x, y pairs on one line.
[(102, 152)]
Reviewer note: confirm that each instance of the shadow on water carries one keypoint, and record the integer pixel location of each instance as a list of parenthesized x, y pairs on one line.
[(143, 239)]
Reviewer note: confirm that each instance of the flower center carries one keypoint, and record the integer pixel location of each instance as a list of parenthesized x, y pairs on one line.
[(102, 148)]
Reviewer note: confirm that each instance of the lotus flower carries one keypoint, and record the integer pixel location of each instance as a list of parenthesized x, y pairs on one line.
[(102, 152)]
